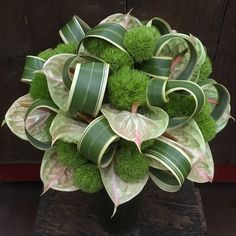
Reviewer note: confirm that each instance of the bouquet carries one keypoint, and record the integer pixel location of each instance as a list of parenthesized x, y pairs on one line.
[(119, 104)]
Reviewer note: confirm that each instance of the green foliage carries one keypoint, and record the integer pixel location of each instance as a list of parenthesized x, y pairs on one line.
[(66, 48), (127, 86), (116, 58), (206, 123), (69, 155), (39, 87), (206, 69), (96, 46), (179, 105), (140, 42), (130, 165), (132, 146), (47, 53), (87, 178), (60, 48)]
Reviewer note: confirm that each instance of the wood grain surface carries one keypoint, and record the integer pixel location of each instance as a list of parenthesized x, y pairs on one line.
[(161, 214)]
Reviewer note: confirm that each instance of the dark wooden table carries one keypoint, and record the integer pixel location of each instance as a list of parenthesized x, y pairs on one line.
[(161, 213)]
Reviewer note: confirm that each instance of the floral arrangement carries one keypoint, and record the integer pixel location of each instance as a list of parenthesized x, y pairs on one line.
[(120, 103)]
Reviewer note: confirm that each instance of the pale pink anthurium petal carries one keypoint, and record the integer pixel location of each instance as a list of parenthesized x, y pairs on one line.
[(134, 126), (15, 116), (203, 169), (125, 20), (190, 139), (67, 129), (55, 175), (53, 68), (119, 190)]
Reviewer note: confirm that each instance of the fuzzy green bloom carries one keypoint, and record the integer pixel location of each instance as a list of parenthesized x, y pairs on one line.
[(66, 48), (116, 58), (87, 178), (206, 69), (130, 165), (140, 42), (47, 53), (206, 123), (127, 86), (60, 48), (69, 155), (179, 105), (39, 87), (132, 146), (96, 46)]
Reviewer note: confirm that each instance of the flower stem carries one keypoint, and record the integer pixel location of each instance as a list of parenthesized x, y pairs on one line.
[(134, 107)]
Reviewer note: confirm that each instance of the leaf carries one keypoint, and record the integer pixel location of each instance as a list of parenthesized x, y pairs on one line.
[(53, 69), (190, 139), (67, 129), (203, 169), (15, 115), (38, 119), (134, 126), (55, 175), (223, 120), (125, 20), (118, 190)]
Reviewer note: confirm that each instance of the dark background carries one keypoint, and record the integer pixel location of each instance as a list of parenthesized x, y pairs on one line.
[(29, 26)]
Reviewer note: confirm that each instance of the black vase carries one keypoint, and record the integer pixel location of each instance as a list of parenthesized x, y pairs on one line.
[(126, 215)]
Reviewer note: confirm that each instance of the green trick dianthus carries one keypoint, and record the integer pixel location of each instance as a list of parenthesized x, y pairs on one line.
[(130, 165), (66, 48), (116, 58), (127, 86), (96, 45), (60, 48), (206, 69), (206, 123), (39, 87), (87, 178), (69, 155), (140, 42), (179, 105)]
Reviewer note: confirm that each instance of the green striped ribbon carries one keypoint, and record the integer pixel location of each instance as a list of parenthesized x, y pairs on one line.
[(111, 32), (45, 104), (159, 89), (157, 67), (160, 24), (97, 142), (187, 73), (88, 88), (223, 97), (32, 65), (174, 159), (74, 31)]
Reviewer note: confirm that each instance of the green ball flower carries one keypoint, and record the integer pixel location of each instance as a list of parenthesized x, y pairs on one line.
[(206, 69), (87, 178), (130, 165), (60, 48), (140, 42), (69, 155), (39, 87), (206, 123), (66, 48), (127, 86), (179, 105), (116, 58), (47, 53), (96, 46)]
